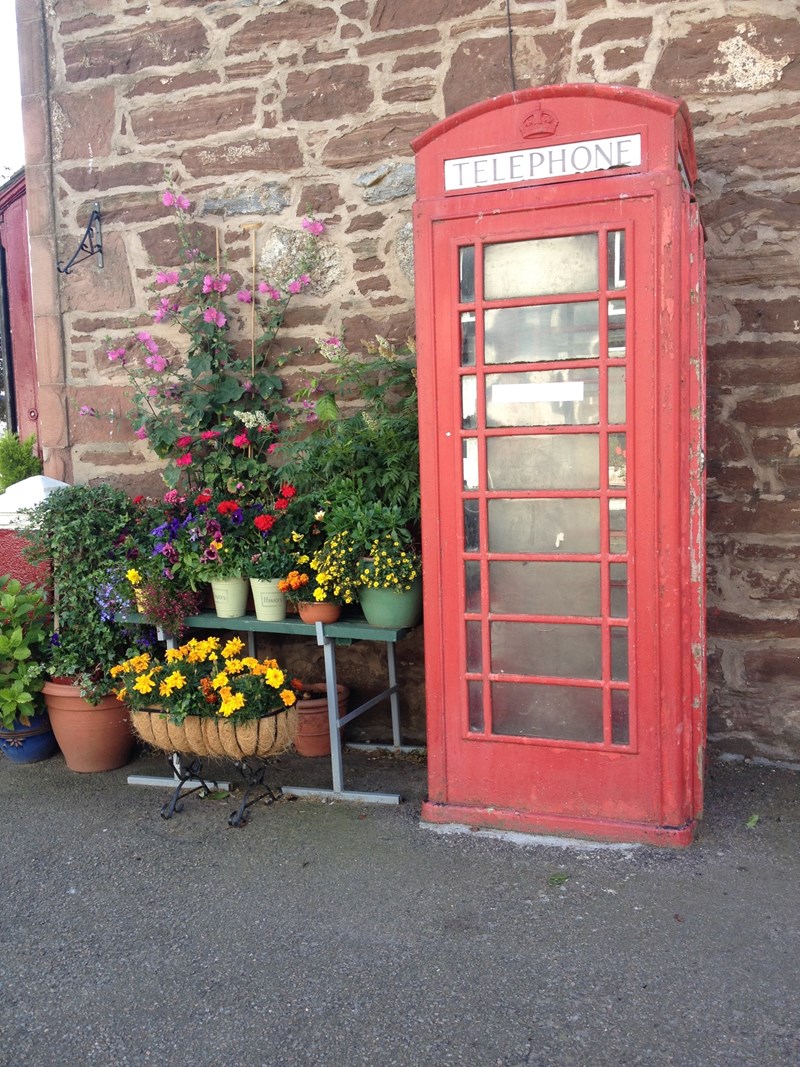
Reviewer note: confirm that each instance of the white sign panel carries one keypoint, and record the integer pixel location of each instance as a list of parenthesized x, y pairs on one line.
[(536, 164)]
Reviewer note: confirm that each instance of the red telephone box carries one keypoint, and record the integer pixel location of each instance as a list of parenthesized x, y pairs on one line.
[(560, 315)]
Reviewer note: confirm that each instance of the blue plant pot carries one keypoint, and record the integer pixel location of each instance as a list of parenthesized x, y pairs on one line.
[(29, 744)]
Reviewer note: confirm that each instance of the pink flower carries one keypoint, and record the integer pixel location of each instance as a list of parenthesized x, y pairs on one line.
[(185, 441), (86, 409), (208, 435), (165, 308), (152, 391), (244, 296), (241, 440), (141, 433), (297, 285), (216, 285), (314, 227), (269, 290), (271, 448), (183, 202), (156, 363), (211, 314), (184, 460), (167, 277), (334, 342), (143, 336), (117, 354), (168, 199), (172, 496)]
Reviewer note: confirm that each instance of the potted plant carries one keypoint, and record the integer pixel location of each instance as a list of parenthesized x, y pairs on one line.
[(80, 530), (206, 699), (321, 578), (25, 733)]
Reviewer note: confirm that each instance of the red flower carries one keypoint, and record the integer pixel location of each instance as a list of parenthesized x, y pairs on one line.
[(209, 435), (138, 499), (203, 497), (241, 441), (281, 504), (288, 491), (227, 506), (184, 461), (184, 442), (264, 522)]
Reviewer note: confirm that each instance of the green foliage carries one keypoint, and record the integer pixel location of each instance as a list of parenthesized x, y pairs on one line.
[(81, 531), (23, 649), (18, 459), (363, 448)]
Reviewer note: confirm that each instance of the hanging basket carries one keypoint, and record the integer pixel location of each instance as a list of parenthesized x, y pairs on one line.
[(267, 736)]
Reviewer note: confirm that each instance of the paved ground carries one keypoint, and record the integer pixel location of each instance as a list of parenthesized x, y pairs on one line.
[(340, 935)]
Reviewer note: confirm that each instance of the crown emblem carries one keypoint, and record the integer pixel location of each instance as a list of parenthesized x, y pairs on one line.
[(539, 123)]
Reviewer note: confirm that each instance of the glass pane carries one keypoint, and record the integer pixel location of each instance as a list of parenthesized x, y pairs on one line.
[(539, 526), (467, 338), (470, 462), (619, 590), (617, 461), (616, 329), (474, 654), (541, 267), (617, 526), (543, 398), (539, 588), (617, 411), (469, 402), (466, 274), (472, 531), (620, 728), (570, 713), (550, 649), (546, 461), (619, 654), (472, 585), (475, 698), (543, 334), (616, 259)]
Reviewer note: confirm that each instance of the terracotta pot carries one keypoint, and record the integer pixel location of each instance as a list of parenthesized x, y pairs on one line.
[(217, 737), (318, 611), (93, 737), (313, 733)]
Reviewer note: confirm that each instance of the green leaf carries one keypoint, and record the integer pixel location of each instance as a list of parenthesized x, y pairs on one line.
[(557, 879), (752, 821)]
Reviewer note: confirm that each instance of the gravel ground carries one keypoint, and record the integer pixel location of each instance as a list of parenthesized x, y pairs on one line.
[(342, 935)]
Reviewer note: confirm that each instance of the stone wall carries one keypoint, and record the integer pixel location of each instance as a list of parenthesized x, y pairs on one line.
[(263, 107)]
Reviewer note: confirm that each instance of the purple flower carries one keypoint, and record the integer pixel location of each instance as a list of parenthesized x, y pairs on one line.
[(86, 409)]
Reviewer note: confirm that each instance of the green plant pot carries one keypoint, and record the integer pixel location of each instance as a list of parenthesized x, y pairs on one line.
[(392, 608)]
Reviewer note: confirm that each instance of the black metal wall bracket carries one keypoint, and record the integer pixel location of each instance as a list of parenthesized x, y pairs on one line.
[(91, 243)]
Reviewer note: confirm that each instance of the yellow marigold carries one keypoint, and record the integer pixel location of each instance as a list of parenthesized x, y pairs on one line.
[(220, 681), (250, 662), (133, 576), (275, 677), (145, 683), (231, 704), (288, 697), (121, 693), (232, 647), (319, 594), (176, 680)]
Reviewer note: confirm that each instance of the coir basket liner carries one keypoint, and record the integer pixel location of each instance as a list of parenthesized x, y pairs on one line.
[(197, 736)]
